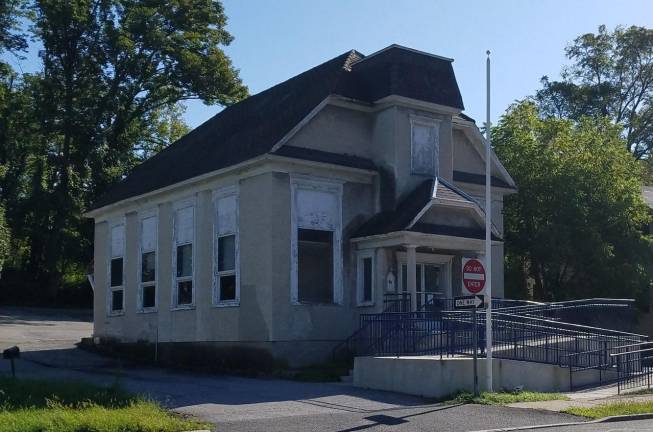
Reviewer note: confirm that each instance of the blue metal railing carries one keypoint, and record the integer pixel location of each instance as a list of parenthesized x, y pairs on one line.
[(634, 365), (514, 336), (619, 314), (554, 333), (397, 302)]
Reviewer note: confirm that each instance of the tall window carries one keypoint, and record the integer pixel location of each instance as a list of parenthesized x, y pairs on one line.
[(117, 270), (316, 260), (365, 278), (226, 268), (424, 146), (184, 229), (148, 273)]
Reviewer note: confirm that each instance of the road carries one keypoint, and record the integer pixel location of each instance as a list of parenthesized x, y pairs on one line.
[(47, 339)]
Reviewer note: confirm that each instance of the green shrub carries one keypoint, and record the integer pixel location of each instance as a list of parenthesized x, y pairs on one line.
[(504, 398)]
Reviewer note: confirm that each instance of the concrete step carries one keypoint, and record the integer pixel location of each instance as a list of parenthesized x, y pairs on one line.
[(348, 378)]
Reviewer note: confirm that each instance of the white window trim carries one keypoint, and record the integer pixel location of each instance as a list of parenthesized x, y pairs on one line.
[(217, 195), (154, 212), (360, 256), (298, 182), (188, 202), (428, 122), (425, 258), (112, 224)]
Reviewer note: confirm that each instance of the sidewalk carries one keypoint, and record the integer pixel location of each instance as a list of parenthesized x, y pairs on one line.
[(585, 399)]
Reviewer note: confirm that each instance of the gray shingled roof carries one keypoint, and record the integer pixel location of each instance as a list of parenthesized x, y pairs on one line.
[(253, 126), (409, 208)]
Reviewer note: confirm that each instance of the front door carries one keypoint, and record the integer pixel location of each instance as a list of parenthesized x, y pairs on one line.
[(432, 286)]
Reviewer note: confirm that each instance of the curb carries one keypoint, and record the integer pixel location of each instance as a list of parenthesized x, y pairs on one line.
[(612, 419), (646, 416)]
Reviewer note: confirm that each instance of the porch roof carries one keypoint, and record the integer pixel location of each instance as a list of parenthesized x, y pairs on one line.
[(435, 240), (407, 215)]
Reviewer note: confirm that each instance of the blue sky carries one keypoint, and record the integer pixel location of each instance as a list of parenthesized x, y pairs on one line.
[(275, 40)]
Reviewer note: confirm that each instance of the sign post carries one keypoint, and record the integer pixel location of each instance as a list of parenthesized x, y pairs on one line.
[(475, 357), (488, 228), (472, 303), (474, 283)]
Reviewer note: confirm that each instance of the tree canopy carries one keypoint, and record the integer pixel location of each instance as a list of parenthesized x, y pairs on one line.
[(114, 73), (611, 76), (4, 238), (575, 226)]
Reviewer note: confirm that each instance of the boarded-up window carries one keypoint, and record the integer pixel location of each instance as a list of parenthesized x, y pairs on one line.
[(424, 148), (315, 266), (316, 241)]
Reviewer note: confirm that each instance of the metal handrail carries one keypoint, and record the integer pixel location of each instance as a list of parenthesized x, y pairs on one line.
[(632, 345), (618, 332), (632, 352)]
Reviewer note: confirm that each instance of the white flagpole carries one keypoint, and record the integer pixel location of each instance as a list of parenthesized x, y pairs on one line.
[(488, 235)]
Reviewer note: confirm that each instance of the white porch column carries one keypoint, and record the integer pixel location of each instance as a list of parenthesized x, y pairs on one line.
[(411, 275)]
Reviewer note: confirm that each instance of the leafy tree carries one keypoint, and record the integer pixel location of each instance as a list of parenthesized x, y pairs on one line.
[(4, 238), (12, 37), (12, 40), (575, 226), (114, 75), (612, 76)]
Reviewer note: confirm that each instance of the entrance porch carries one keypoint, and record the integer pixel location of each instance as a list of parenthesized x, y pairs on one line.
[(419, 246), (421, 271)]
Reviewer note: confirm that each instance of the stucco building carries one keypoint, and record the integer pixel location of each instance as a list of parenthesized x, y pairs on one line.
[(277, 222)]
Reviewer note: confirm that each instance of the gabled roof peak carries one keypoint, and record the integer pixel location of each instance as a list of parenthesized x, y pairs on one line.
[(404, 48)]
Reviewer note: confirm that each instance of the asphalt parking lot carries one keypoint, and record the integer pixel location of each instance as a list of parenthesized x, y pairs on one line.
[(47, 339)]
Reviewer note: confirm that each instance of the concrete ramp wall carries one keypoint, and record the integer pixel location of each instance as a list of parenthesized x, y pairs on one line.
[(432, 377)]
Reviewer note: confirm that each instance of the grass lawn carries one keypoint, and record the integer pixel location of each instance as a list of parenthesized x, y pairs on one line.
[(613, 409), (505, 398), (640, 392), (57, 406)]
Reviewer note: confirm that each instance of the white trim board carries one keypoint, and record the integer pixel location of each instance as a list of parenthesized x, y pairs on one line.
[(220, 178), (435, 241)]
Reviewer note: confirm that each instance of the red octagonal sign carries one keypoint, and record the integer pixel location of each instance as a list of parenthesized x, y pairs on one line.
[(473, 276)]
